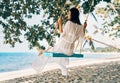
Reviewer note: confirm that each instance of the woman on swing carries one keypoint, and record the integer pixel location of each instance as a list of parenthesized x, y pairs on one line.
[(72, 31)]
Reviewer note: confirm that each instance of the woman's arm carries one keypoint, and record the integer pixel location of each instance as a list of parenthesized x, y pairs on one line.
[(60, 24), (84, 26)]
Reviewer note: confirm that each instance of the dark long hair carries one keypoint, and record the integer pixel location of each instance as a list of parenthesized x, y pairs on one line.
[(75, 16)]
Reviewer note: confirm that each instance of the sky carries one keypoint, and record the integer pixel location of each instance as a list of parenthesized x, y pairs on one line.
[(24, 47)]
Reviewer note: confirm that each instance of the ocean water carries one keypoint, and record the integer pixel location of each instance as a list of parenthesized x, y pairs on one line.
[(13, 61)]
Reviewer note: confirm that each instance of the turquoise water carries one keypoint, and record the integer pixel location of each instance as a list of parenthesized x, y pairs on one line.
[(17, 61)]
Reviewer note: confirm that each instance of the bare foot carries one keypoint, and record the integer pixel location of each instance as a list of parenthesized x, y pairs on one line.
[(40, 52)]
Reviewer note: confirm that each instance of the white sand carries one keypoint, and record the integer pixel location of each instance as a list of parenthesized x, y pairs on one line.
[(51, 66)]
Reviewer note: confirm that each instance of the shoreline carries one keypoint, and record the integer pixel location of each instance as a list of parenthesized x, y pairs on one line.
[(75, 52), (53, 66), (100, 53)]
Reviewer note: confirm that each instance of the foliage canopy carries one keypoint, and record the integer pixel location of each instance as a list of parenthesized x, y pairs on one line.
[(13, 12)]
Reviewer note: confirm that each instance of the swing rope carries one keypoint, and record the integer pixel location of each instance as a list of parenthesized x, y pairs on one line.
[(60, 18), (59, 25), (92, 3), (90, 38), (105, 43)]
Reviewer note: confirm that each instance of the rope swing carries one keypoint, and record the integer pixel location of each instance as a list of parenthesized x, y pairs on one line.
[(53, 54)]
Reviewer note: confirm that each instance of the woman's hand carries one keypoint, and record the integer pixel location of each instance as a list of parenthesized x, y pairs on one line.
[(60, 20), (85, 24)]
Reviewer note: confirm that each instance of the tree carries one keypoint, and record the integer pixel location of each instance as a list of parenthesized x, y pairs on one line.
[(111, 18), (13, 12)]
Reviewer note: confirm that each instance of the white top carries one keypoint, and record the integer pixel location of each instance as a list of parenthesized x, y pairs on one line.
[(71, 33)]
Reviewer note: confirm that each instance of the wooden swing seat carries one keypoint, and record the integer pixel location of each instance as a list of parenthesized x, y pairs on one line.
[(53, 54)]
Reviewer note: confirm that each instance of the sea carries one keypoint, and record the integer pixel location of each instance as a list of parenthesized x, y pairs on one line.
[(12, 61)]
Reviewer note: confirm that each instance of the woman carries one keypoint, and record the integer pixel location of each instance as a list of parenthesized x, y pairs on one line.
[(72, 30)]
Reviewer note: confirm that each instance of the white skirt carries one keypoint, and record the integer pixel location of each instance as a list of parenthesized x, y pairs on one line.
[(41, 62)]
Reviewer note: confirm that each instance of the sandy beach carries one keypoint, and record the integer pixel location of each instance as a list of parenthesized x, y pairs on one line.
[(80, 71)]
